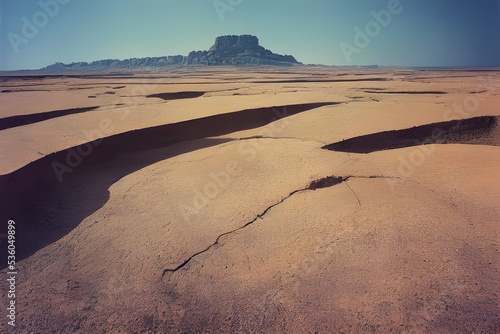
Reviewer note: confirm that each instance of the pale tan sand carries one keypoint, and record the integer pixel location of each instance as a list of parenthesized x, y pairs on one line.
[(222, 234)]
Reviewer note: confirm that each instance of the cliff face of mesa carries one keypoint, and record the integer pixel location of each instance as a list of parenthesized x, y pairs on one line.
[(227, 50), (247, 42)]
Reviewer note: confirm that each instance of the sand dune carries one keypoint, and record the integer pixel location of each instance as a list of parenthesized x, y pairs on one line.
[(266, 200), (17, 188), (482, 130)]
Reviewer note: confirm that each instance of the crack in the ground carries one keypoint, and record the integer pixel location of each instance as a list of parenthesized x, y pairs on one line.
[(183, 264), (325, 182), (348, 186)]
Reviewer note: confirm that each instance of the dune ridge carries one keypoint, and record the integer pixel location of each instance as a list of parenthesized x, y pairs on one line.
[(28, 184), (481, 130)]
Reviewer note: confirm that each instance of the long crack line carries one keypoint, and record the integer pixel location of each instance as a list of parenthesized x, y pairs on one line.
[(232, 231), (326, 182), (348, 186)]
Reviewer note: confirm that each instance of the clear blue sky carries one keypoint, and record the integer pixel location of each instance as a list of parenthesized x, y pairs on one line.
[(424, 33)]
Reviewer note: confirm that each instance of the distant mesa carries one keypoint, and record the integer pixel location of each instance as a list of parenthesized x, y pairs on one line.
[(238, 50), (228, 50)]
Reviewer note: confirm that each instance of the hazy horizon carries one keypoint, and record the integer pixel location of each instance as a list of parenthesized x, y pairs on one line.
[(391, 33)]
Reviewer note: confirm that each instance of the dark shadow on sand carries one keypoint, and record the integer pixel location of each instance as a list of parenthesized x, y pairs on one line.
[(177, 96), (481, 130), (20, 120)]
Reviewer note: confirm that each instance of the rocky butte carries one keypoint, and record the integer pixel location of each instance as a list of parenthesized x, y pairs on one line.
[(227, 50), (238, 50)]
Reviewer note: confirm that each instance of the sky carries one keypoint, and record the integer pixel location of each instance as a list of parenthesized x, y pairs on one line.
[(403, 33)]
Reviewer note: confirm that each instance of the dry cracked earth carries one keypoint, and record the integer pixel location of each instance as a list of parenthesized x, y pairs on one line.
[(257, 200)]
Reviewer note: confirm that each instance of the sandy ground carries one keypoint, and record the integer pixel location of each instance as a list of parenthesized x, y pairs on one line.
[(258, 200)]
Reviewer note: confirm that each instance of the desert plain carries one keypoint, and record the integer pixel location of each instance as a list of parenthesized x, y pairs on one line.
[(253, 200)]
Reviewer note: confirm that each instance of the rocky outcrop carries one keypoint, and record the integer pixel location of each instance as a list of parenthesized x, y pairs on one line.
[(227, 50), (238, 50), (242, 42), (115, 63)]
